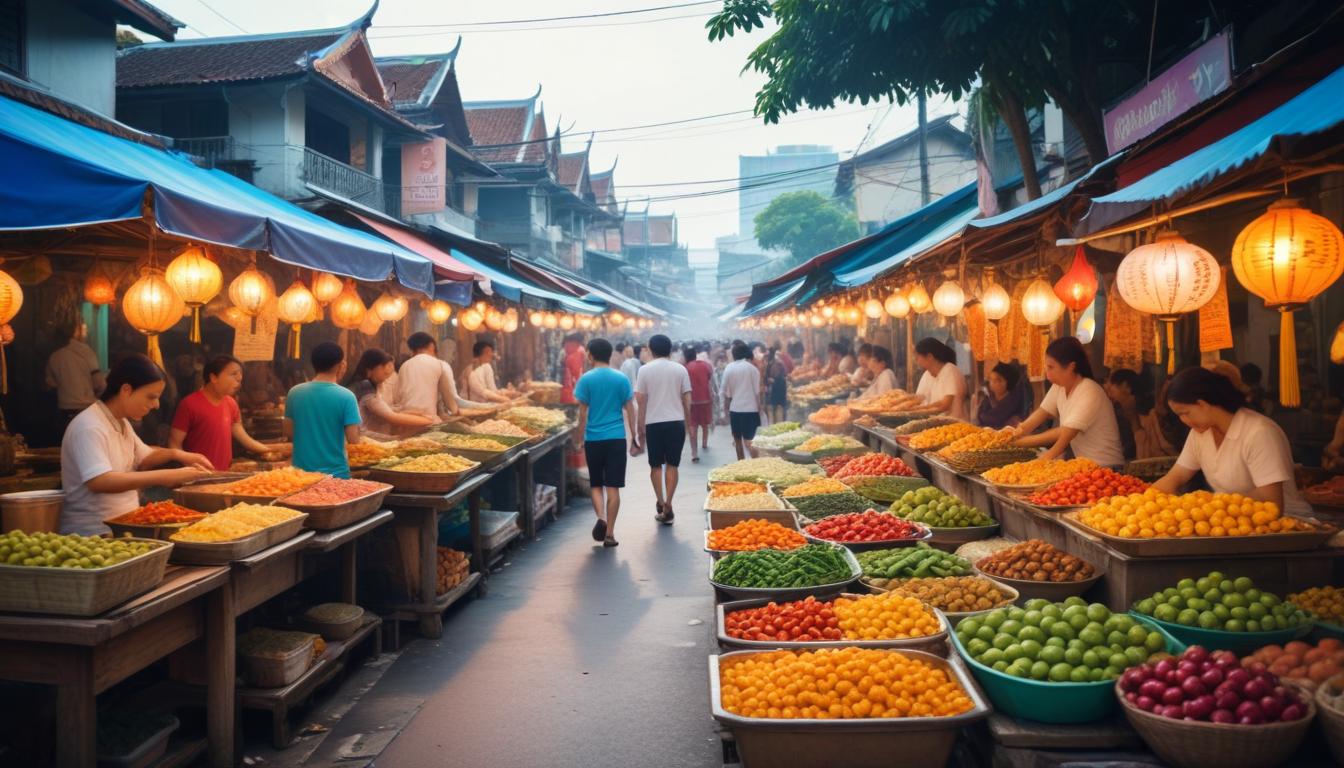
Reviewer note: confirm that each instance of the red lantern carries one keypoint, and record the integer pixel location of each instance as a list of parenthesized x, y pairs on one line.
[(1078, 286)]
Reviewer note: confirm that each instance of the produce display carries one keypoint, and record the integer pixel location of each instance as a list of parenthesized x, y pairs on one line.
[(809, 566), (1036, 560), (467, 442), (982, 439), (874, 464), (1156, 515), (499, 427), (818, 443), (936, 509), (829, 683), (933, 439), (434, 462), (778, 428), (365, 454), (920, 425), (414, 446), (755, 534), (273, 483), (779, 472), (1218, 602), (885, 616), (1306, 664), (803, 620), (971, 462), (783, 441), (1038, 471), (159, 513), (835, 385), (814, 487), (914, 562), (535, 418), (974, 551), (70, 550), (1212, 688), (863, 527), (895, 400), (1088, 488), (955, 594), (832, 464), (883, 489), (744, 502), (452, 569), (831, 416), (719, 490), (332, 491), (824, 505), (1324, 603), (1068, 642), (233, 523)]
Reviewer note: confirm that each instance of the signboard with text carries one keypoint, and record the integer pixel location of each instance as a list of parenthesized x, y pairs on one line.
[(424, 171), (1201, 74)]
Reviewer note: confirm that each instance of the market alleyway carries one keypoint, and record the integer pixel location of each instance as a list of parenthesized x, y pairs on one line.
[(578, 656)]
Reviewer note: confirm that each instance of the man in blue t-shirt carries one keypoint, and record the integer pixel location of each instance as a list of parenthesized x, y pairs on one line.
[(321, 416), (606, 408)]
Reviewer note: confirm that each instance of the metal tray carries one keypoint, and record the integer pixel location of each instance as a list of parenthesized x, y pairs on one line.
[(223, 552), (1023, 498), (329, 516), (722, 518), (789, 593), (935, 643), (962, 535), (193, 497), (157, 531), (1010, 596), (887, 742), (865, 546), (717, 553), (81, 591), (1053, 591), (420, 482), (1202, 546)]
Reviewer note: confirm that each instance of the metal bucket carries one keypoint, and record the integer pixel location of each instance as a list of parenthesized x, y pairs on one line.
[(31, 511)]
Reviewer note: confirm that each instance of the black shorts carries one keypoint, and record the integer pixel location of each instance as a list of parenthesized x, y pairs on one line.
[(744, 425), (665, 441), (606, 463)]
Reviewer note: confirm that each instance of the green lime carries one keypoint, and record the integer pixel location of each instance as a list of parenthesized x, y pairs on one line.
[(1242, 584), (1011, 627), (1252, 625), (986, 633), (1226, 586), (1166, 613), (1074, 600), (1136, 635), (1135, 655), (1188, 617), (1032, 633), (1051, 654), (1053, 611), (991, 656), (1032, 618), (1047, 622), (1015, 671), (1241, 614), (1014, 652), (1031, 649), (995, 618), (1234, 625), (1035, 604), (1060, 672), (1073, 656), (1116, 639), (1118, 660), (1080, 675), (1208, 620), (1222, 612), (1000, 666), (1155, 642), (1258, 611), (977, 647), (1092, 659), (1055, 642), (1098, 612), (1003, 641), (1062, 630), (1040, 670), (1091, 636)]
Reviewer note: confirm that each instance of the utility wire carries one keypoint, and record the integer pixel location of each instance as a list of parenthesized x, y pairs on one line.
[(459, 30), (231, 22), (602, 15)]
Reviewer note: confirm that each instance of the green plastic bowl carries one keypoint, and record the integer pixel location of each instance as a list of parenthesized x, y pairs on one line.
[(1044, 702), (1222, 640), (1323, 629)]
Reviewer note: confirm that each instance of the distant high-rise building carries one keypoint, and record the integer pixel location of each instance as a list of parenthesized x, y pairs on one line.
[(790, 168)]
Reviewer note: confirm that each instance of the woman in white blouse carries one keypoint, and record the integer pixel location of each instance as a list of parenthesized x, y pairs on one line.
[(942, 385), (884, 378), (1237, 449), (1084, 415)]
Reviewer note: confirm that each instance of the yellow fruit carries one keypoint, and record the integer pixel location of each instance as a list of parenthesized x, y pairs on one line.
[(1153, 514)]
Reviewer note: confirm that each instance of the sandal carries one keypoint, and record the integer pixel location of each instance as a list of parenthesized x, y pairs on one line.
[(668, 516), (610, 542), (599, 530)]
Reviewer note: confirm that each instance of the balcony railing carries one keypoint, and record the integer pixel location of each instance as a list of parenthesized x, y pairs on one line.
[(212, 149), (346, 180)]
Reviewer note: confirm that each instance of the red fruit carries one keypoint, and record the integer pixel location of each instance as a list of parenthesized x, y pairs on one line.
[(1238, 677), (1173, 695), (1272, 707), (1195, 653), (1226, 700), (1224, 716), (1152, 688), (1292, 712), (1255, 688), (1211, 677), (1199, 708), (1163, 667), (1249, 711), (1193, 687), (1172, 711), (1146, 703)]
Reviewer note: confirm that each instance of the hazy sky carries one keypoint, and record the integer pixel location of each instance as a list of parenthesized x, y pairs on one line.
[(603, 73)]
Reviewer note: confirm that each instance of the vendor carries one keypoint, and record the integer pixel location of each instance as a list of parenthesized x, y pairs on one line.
[(321, 416), (1002, 403), (1085, 415), (942, 386), (481, 379), (73, 371), (378, 420), (884, 378), (208, 420), (425, 383), (1237, 449), (862, 376), (104, 463)]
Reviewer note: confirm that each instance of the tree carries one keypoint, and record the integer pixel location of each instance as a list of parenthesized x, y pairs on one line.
[(128, 39), (804, 224)]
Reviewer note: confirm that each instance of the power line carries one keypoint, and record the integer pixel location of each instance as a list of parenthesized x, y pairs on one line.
[(231, 22), (460, 30), (605, 14)]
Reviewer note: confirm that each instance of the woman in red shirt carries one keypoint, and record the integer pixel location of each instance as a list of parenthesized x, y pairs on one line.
[(208, 420)]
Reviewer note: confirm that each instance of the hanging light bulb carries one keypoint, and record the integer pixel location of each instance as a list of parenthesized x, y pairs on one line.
[(817, 320), (827, 311), (294, 307), (616, 317), (150, 305), (585, 322), (1168, 278), (250, 291), (326, 287), (919, 299), (1078, 286), (494, 319), (551, 321), (471, 319), (99, 289), (949, 299), (11, 300), (995, 299), (511, 320), (390, 307), (439, 312), (873, 308), (347, 309), (896, 305), (197, 279), (566, 322), (630, 323), (1040, 306)]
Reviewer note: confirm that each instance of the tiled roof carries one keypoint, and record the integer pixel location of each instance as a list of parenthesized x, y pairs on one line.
[(222, 59), (662, 230), (415, 81), (502, 125), (535, 151), (571, 169)]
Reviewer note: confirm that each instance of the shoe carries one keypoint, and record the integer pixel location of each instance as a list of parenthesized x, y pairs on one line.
[(695, 459), (610, 542), (668, 516), (599, 530)]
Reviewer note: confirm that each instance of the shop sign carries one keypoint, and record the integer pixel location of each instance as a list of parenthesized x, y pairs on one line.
[(1215, 321), (257, 345), (423, 176), (1203, 73)]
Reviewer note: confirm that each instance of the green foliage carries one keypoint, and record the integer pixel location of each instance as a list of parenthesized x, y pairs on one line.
[(804, 224)]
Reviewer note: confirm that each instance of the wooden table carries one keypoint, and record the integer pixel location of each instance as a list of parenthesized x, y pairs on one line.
[(84, 657), (530, 516)]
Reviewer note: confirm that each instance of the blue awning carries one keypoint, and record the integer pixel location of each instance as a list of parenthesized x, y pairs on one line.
[(513, 287), (1315, 110), (764, 299), (949, 228), (74, 176)]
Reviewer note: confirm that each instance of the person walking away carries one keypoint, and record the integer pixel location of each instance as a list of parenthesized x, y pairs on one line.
[(377, 419), (208, 420), (425, 384), (481, 381), (741, 400), (776, 387), (606, 416), (321, 416), (104, 464), (572, 367), (74, 372), (701, 374), (663, 392), (631, 364)]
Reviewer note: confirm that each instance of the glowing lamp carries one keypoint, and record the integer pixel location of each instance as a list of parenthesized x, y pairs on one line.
[(1168, 278), (536, 318), (347, 309), (996, 302), (511, 321), (551, 321), (326, 287), (586, 322), (817, 320), (616, 317), (471, 319), (827, 311), (873, 309), (566, 322), (897, 305), (98, 286), (11, 299), (1087, 324), (1078, 286), (949, 299), (439, 312), (390, 307), (197, 279), (1040, 305), (919, 299), (295, 306), (150, 305), (250, 291)]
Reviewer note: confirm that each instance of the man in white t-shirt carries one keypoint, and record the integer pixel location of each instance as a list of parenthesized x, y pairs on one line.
[(742, 399), (425, 383), (73, 371), (630, 361), (663, 393), (481, 380)]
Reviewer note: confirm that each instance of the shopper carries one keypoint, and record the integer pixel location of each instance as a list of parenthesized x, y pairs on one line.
[(631, 362), (776, 387), (481, 385), (741, 400), (208, 420), (104, 464), (701, 374), (942, 385), (1001, 404), (571, 366), (606, 416), (1237, 449), (321, 416), (663, 391), (74, 372), (425, 384), (1084, 416), (377, 419)]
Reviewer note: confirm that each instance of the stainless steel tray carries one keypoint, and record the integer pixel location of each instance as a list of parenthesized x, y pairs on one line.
[(789, 593), (220, 553), (330, 516), (932, 643), (865, 546)]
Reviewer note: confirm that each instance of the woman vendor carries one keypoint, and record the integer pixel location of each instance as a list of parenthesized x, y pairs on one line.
[(884, 378), (1237, 449), (1002, 404), (104, 463), (1085, 416), (942, 385), (379, 420)]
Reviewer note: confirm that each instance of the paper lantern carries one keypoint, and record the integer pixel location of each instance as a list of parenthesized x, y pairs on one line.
[(197, 279), (1078, 286), (1087, 324), (439, 312), (471, 319), (390, 307), (896, 305), (585, 322), (630, 323), (150, 305), (996, 302), (1040, 305), (347, 309), (295, 306), (536, 318), (250, 291), (873, 309), (1168, 278), (827, 311), (1337, 346), (1287, 257), (494, 319), (99, 288), (11, 300), (511, 320), (372, 323), (949, 299), (550, 321), (817, 320), (566, 322), (615, 317), (919, 299), (326, 287)]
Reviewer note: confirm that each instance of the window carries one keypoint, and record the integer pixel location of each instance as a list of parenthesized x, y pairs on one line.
[(327, 135), (12, 30), (193, 119)]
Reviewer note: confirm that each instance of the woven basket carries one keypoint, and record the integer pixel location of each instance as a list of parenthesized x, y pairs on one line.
[(1331, 719), (1187, 744)]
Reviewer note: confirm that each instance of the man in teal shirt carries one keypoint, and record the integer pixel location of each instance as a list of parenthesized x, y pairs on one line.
[(321, 416), (605, 407)]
